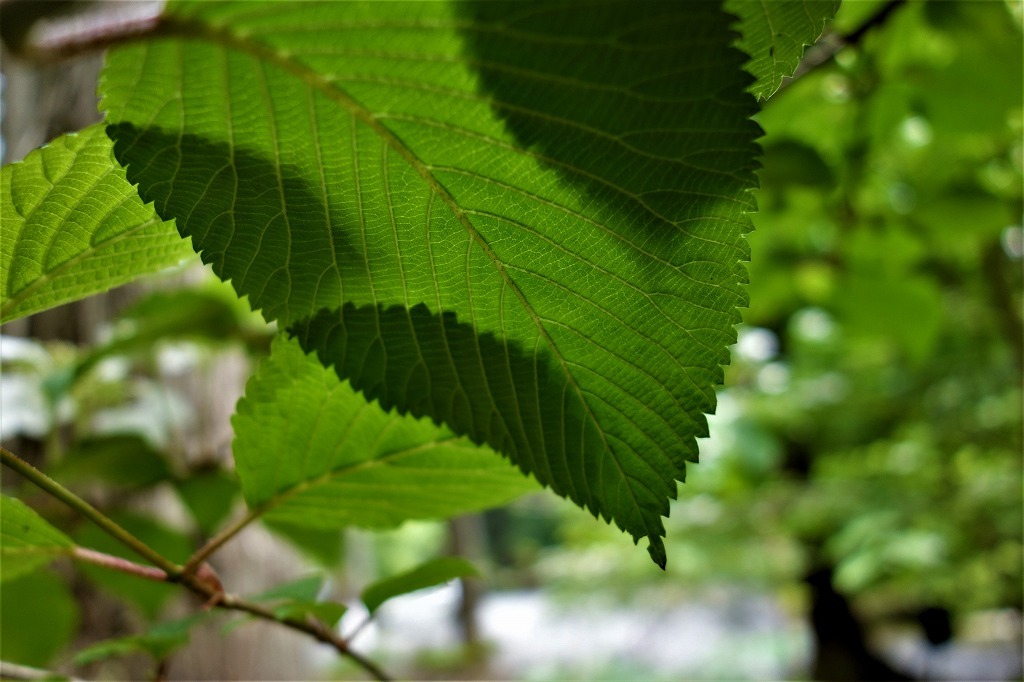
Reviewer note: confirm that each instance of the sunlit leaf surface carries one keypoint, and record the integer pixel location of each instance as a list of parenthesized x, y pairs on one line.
[(310, 451), (27, 541), (73, 226), (522, 220)]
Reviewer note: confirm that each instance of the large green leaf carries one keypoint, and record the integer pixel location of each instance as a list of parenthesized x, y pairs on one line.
[(27, 541), (775, 32), (74, 226), (559, 189), (311, 452)]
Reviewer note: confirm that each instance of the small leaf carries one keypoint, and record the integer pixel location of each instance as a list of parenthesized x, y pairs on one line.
[(298, 599), (774, 34), (311, 452), (159, 641), (74, 226), (327, 612), (302, 589), (27, 541), (434, 572)]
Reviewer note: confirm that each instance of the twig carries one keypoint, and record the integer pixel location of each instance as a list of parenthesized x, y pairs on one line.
[(55, 489), (218, 540), (203, 583), (16, 671), (116, 563), (49, 32)]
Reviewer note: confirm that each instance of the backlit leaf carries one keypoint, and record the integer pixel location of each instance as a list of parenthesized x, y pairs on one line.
[(527, 218), (311, 452), (73, 226), (27, 541), (775, 33)]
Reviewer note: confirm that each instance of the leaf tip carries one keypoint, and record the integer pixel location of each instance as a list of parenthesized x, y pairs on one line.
[(657, 551)]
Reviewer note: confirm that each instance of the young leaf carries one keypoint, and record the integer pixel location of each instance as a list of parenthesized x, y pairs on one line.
[(560, 188), (27, 541), (74, 226), (775, 34), (301, 589), (298, 599), (429, 574), (160, 641), (310, 452)]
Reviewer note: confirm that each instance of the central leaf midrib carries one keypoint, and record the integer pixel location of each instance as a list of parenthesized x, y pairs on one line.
[(189, 29)]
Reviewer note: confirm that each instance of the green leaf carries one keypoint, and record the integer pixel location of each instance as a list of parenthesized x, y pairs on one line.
[(429, 574), (325, 546), (123, 460), (27, 541), (38, 618), (311, 452), (209, 495), (562, 187), (774, 34), (74, 226), (305, 588), (160, 641), (298, 599)]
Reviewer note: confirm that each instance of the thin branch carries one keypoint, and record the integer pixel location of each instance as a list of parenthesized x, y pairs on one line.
[(53, 31), (359, 628), (204, 582), (116, 563), (90, 512), (16, 671), (218, 540)]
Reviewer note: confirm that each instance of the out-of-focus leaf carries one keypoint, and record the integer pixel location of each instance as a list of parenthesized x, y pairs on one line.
[(301, 589), (775, 32), (27, 541), (160, 641), (74, 226), (210, 314), (298, 599), (310, 451), (323, 545), (38, 618), (429, 574), (209, 495), (124, 460), (791, 163), (149, 596), (902, 310)]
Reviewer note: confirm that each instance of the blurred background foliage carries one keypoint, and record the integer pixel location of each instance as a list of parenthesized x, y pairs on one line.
[(864, 469)]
